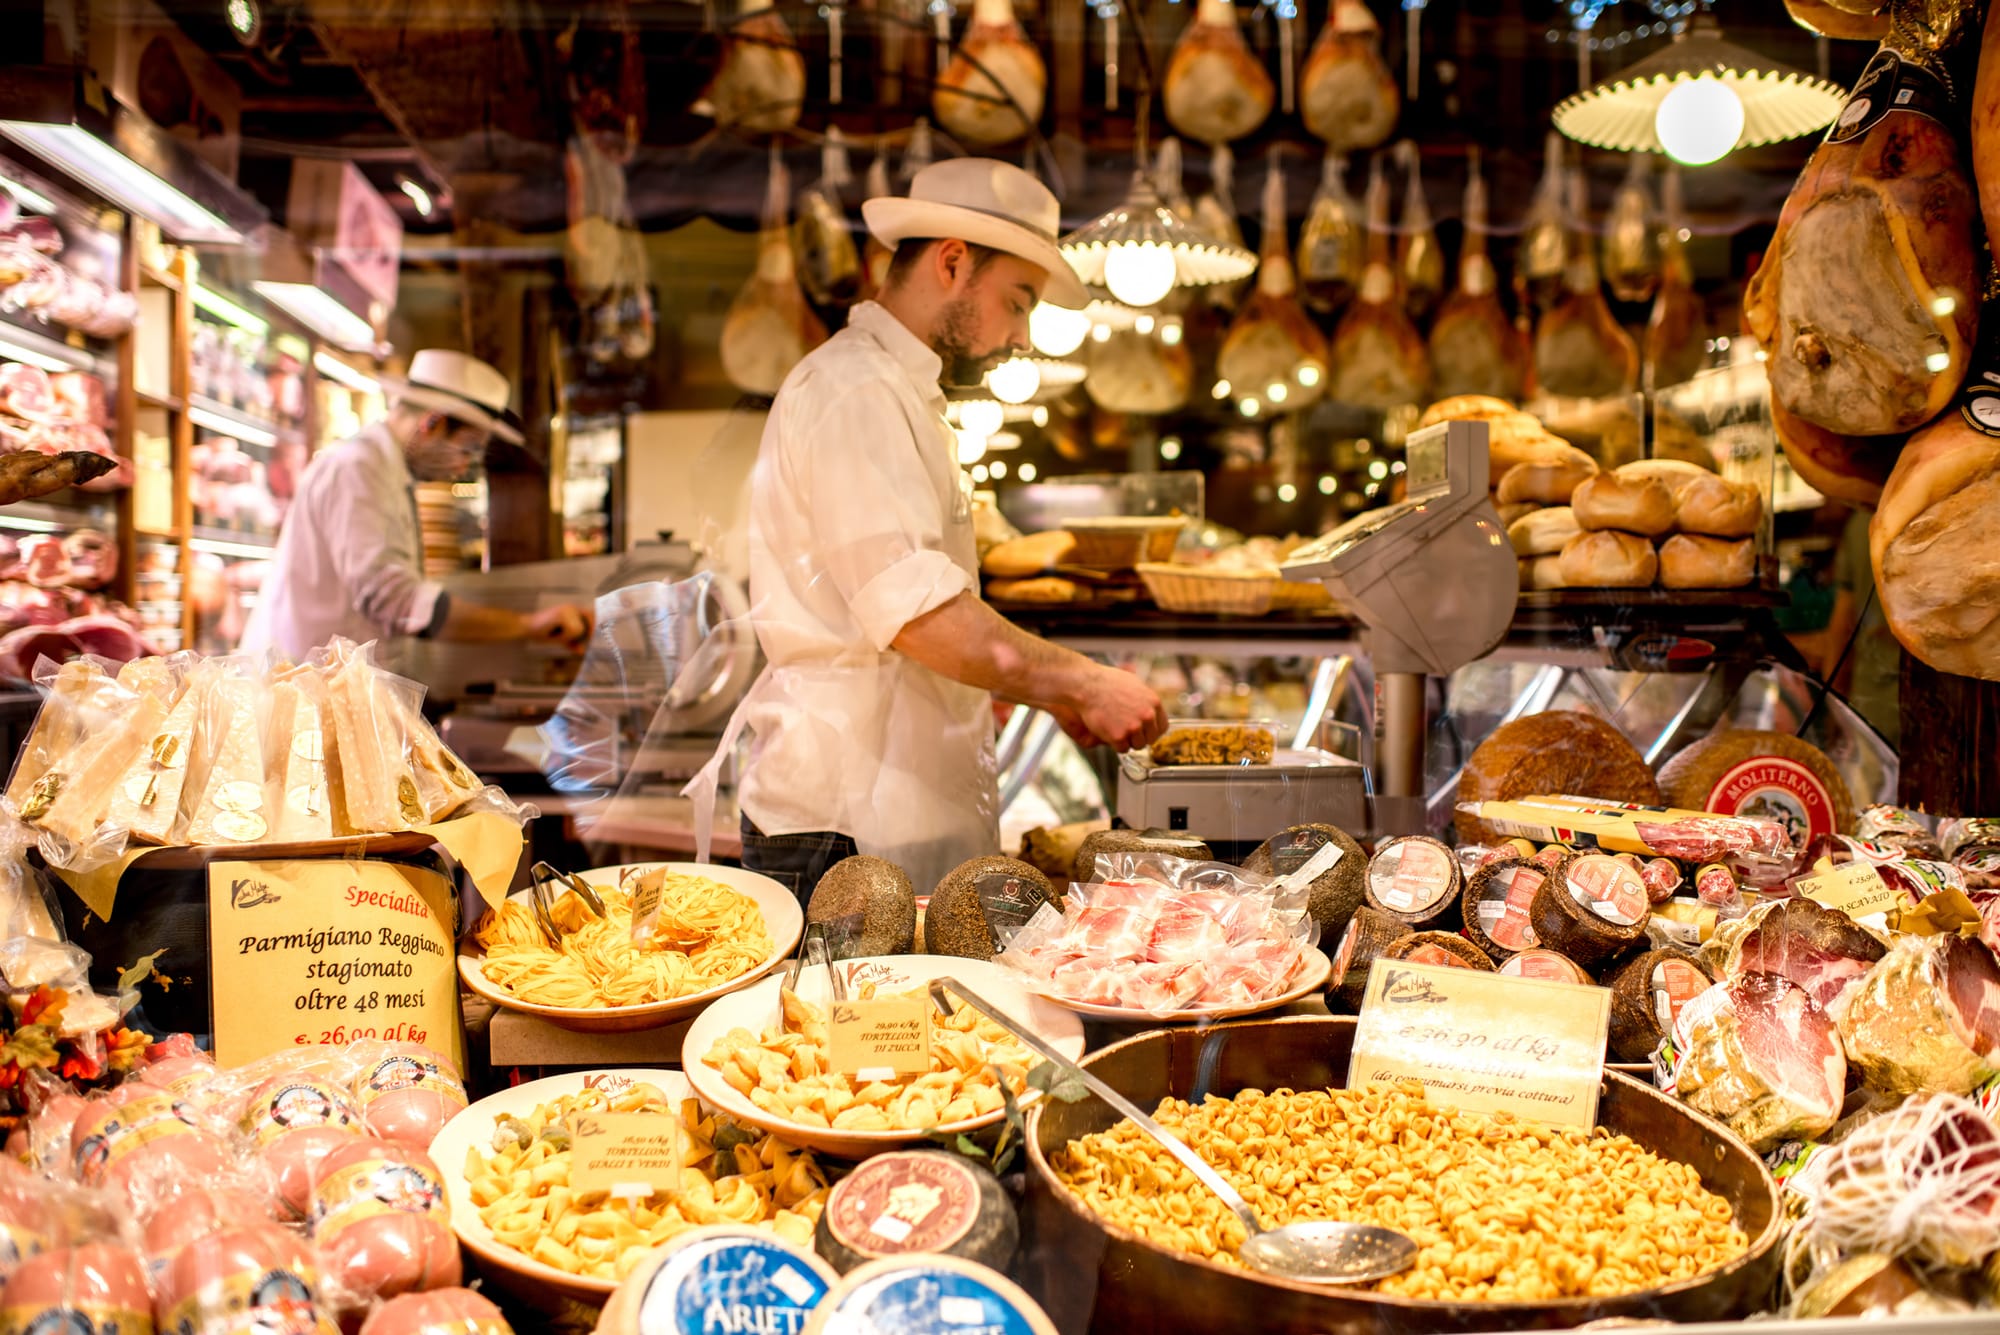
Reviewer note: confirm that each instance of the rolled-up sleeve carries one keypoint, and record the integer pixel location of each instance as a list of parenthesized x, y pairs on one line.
[(364, 526), (878, 527)]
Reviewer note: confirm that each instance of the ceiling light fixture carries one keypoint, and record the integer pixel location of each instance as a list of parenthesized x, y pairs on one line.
[(121, 180), (1015, 380), (321, 313), (418, 196), (1056, 331), (1142, 250), (1698, 99), (245, 19)]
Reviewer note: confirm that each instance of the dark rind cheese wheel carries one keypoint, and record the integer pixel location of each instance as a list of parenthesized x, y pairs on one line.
[(1550, 855), (1084, 870), (1368, 937), (1415, 880), (1496, 903), (1745, 772), (1560, 751), (1591, 908), (867, 906), (1337, 891), (1547, 966), (1441, 948), (982, 902), (1647, 993), (917, 1201)]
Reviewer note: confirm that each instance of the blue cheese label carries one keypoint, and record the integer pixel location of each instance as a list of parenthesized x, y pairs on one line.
[(932, 1300), (734, 1285)]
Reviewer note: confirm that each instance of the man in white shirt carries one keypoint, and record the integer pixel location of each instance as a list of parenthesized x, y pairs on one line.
[(874, 720), (350, 559)]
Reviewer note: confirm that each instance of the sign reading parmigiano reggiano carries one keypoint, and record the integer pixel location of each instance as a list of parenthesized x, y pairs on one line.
[(306, 952)]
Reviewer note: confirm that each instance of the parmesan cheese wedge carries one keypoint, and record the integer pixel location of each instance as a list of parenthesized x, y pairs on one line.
[(147, 798), (93, 770), (229, 808), (58, 728), (301, 804)]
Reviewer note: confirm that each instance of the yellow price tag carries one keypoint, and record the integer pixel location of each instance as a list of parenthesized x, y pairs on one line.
[(626, 1154), (886, 1036)]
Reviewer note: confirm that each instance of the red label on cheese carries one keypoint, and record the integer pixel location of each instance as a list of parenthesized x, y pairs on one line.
[(1430, 954), (1608, 888), (907, 1203), (1504, 916), (1675, 984), (1411, 875), (1345, 955), (1779, 789), (1540, 964)]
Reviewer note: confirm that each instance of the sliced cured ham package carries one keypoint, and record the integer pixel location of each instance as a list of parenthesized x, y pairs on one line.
[(1757, 1054), (1867, 301), (1926, 1018)]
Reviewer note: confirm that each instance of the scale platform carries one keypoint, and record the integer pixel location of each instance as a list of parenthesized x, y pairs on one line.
[(1244, 804)]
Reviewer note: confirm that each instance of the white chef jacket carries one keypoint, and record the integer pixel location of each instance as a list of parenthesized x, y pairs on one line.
[(860, 522), (350, 559)]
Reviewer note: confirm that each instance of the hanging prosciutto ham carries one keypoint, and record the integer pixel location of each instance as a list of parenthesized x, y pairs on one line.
[(1867, 302), (1379, 359), (992, 91), (1676, 336), (874, 255), (761, 83), (1475, 348), (1631, 235), (1272, 341), (1419, 258), (1333, 245), (1350, 97), (1543, 258), (1580, 350), (1131, 372), (829, 266), (1216, 90), (769, 326)]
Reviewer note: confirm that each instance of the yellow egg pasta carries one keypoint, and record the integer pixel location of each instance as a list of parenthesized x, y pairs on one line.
[(1501, 1210), (784, 1071), (521, 1187), (706, 934)]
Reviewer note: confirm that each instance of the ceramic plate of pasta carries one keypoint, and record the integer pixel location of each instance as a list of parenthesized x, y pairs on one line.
[(506, 1162), (762, 1057), (702, 931)]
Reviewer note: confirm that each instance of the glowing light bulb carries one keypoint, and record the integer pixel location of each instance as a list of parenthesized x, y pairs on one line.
[(997, 469), (1699, 120), (1308, 374), (1326, 484), (1014, 380), (1248, 407), (1057, 332), (1276, 391), (971, 447), (1029, 472), (980, 473), (1143, 325), (982, 417), (1100, 333), (1170, 332), (1222, 388), (1288, 493), (1170, 448), (1378, 470), (1041, 417), (1140, 274)]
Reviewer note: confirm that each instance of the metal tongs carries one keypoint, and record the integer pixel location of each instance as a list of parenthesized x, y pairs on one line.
[(812, 943), (1315, 1251), (544, 900)]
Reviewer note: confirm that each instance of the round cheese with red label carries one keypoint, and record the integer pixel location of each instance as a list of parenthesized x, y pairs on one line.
[(1416, 880), (756, 1280), (1771, 775), (929, 1295), (1545, 966), (1497, 900), (1647, 995), (917, 1201), (1442, 949), (1592, 908)]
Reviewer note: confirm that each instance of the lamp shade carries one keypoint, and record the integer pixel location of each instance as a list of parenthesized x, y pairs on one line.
[(1142, 221), (1622, 113)]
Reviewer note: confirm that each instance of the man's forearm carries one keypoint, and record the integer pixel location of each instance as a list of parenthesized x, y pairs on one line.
[(476, 623), (969, 642)]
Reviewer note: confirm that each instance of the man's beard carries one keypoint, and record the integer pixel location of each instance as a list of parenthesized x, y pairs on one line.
[(964, 365)]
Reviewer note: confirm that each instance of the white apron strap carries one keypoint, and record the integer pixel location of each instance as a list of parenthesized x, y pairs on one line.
[(703, 786)]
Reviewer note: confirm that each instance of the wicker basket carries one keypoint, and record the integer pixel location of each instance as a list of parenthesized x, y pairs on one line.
[(1193, 589), (1122, 543), (1301, 596)]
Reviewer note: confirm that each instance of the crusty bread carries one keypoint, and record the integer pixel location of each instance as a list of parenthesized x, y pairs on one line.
[(1028, 556), (1689, 561), (1549, 476), (1465, 408), (1632, 505), (1609, 560), (1543, 532), (1717, 507), (1542, 573), (1046, 589)]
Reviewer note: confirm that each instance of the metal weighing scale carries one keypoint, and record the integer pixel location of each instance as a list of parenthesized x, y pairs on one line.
[(1433, 581), (1243, 804)]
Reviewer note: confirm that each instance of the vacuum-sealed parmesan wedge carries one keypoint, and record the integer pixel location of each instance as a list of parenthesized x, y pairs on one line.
[(298, 797), (92, 770), (147, 798), (444, 783), (380, 788), (79, 693), (228, 806)]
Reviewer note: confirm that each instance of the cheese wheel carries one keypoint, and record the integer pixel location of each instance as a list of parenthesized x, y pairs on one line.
[(918, 1295), (382, 1223), (1747, 772), (917, 1201), (1547, 966), (1440, 948), (1335, 892), (1591, 908), (1369, 935), (1560, 751), (706, 1266), (1647, 994), (1415, 880), (1496, 904)]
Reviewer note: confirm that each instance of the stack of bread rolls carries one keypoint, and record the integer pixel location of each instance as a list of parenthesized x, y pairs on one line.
[(1660, 521)]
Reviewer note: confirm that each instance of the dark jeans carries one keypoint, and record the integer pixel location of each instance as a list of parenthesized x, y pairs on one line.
[(795, 861)]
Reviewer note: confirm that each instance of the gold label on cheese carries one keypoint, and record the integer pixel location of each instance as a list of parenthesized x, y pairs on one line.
[(240, 827), (42, 796), (406, 798), (240, 795), (169, 751), (309, 745)]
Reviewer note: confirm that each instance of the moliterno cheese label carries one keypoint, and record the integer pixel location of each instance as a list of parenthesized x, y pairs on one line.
[(306, 952), (1481, 1042)]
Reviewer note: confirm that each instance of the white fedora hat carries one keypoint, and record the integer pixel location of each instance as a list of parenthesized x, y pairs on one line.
[(462, 388), (985, 202)]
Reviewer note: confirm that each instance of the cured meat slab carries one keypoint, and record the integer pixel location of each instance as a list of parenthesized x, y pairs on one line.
[(1821, 950), (1927, 1018), (1756, 1053)]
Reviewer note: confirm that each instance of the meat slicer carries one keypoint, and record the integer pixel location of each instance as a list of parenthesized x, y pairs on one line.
[(1433, 581)]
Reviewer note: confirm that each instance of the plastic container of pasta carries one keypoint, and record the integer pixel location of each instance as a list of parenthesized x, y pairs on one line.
[(1194, 741), (783, 923)]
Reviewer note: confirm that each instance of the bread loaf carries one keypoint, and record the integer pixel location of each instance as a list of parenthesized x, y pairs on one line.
[(1543, 532), (1028, 556), (1937, 567), (1632, 505), (1549, 476), (1466, 408), (1047, 589), (1676, 473), (1608, 559), (1517, 438), (1689, 561), (1540, 574), (1509, 513), (1560, 751), (1718, 508)]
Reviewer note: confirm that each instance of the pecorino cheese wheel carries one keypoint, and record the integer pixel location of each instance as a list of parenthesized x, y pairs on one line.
[(1745, 772), (1441, 948), (1496, 904), (293, 1122), (1547, 966), (1591, 908), (382, 1223), (1560, 751), (1337, 891), (979, 906), (1369, 935), (1647, 994), (917, 1201), (1415, 880)]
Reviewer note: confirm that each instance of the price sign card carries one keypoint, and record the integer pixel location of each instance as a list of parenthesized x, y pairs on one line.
[(1481, 1042), (626, 1154), (1853, 888), (307, 951), (880, 1038)]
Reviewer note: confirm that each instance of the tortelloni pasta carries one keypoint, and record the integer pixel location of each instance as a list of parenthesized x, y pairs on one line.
[(784, 1071), (521, 1188), (706, 935), (1501, 1210)]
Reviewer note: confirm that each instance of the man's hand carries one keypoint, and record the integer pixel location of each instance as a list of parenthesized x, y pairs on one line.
[(567, 625), (1118, 709)]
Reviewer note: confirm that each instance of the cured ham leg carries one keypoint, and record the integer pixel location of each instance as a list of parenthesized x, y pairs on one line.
[(769, 326), (1351, 99), (971, 106), (1580, 350), (1675, 342), (1272, 341), (1475, 348), (1216, 90), (1379, 359)]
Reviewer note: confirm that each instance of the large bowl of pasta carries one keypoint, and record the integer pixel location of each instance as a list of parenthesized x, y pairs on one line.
[(720, 929), (506, 1163), (760, 1057)]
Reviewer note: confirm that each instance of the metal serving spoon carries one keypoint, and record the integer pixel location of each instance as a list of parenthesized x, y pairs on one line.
[(1312, 1251)]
